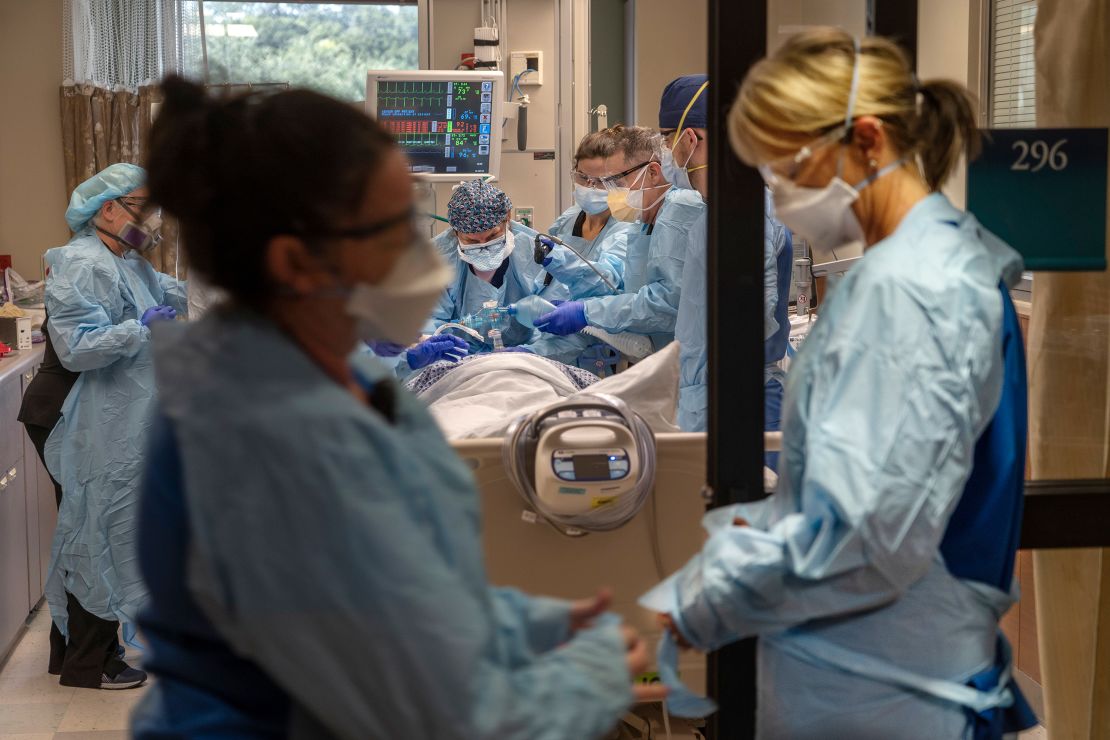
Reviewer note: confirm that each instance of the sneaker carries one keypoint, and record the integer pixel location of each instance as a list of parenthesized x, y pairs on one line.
[(128, 678)]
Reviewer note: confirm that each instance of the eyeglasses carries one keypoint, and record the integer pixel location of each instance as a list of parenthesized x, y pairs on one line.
[(611, 181), (669, 133), (586, 181), (143, 209), (788, 167), (362, 232)]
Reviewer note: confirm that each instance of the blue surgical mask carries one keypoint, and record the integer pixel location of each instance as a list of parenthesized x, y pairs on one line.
[(591, 200), (675, 175), (489, 255)]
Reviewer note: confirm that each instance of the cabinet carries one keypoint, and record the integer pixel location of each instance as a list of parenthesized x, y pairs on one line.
[(42, 510), (14, 597), (26, 524)]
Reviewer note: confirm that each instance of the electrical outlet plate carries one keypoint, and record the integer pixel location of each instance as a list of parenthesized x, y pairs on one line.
[(522, 60), (525, 215)]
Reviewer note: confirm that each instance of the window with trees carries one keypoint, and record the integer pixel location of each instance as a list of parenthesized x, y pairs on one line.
[(323, 46)]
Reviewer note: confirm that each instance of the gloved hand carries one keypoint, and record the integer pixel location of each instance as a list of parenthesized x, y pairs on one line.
[(548, 246), (386, 349), (157, 313), (439, 347), (569, 317)]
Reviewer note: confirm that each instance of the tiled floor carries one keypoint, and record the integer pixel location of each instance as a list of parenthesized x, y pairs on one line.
[(34, 707)]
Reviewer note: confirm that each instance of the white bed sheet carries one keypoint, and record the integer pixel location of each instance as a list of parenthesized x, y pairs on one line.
[(482, 397)]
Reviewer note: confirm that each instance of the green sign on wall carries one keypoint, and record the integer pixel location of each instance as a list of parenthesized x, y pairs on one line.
[(1044, 192)]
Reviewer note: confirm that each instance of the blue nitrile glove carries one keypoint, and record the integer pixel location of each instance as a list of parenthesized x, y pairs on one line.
[(569, 317), (432, 349), (157, 313), (549, 246), (386, 349)]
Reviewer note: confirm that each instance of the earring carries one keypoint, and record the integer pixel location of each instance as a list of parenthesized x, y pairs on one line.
[(873, 163)]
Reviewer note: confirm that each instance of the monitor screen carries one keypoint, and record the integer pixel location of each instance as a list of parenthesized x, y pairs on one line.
[(448, 123)]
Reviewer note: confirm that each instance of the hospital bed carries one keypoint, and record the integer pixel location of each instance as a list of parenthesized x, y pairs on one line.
[(534, 557), (521, 549)]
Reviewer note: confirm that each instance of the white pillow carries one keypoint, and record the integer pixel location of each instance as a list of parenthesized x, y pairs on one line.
[(650, 388)]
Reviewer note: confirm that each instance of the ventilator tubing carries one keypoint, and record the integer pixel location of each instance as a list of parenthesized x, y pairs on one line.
[(634, 346)]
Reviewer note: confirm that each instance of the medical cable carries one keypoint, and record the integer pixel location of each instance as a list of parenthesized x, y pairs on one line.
[(529, 231), (520, 442), (435, 217)]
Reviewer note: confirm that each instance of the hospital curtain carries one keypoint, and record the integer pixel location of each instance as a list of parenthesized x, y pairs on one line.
[(115, 52), (1069, 391)]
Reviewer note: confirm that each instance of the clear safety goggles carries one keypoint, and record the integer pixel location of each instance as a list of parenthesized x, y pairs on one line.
[(787, 168), (611, 182), (587, 181)]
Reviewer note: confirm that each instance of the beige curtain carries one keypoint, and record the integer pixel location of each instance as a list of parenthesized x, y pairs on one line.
[(102, 127), (1069, 391)]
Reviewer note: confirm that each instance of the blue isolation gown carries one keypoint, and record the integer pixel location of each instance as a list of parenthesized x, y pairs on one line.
[(653, 272), (316, 569), (95, 300), (608, 252), (693, 319), (467, 292), (877, 573)]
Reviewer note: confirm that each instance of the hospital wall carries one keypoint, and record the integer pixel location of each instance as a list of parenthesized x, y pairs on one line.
[(944, 36), (32, 182), (670, 41), (529, 177)]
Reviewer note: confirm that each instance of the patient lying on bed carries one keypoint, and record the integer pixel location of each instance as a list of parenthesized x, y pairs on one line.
[(483, 394)]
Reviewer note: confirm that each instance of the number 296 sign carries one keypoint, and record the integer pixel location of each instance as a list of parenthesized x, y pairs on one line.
[(1044, 192)]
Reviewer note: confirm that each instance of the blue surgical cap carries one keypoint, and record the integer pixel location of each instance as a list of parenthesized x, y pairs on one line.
[(676, 96), (114, 181), (477, 206)]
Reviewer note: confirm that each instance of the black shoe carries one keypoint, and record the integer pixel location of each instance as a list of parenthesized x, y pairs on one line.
[(128, 678)]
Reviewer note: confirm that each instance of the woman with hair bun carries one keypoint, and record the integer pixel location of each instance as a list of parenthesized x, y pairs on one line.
[(310, 540)]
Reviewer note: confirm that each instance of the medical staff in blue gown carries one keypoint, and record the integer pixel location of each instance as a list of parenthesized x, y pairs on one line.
[(878, 571), (683, 120), (668, 219), (311, 541), (102, 297), (693, 394), (490, 262), (588, 227)]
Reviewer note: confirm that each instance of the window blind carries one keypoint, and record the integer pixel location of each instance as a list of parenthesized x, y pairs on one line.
[(1013, 76)]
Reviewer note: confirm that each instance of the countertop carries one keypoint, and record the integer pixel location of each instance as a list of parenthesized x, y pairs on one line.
[(18, 362)]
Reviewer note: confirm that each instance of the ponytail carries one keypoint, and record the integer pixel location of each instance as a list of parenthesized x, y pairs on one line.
[(804, 89), (944, 129)]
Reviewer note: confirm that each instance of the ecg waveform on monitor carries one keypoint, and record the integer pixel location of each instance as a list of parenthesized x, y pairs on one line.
[(413, 95), (443, 126)]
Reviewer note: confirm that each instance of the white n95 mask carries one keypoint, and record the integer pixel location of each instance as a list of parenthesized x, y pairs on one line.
[(591, 200), (396, 309), (824, 216)]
